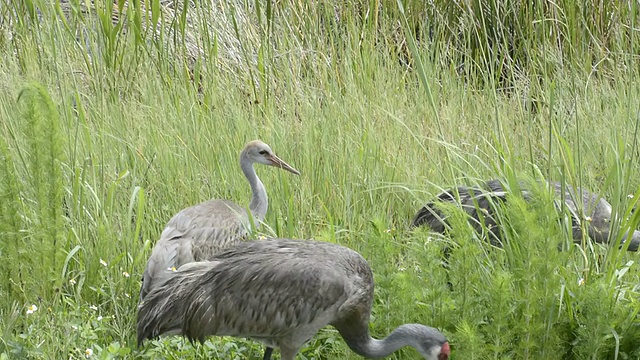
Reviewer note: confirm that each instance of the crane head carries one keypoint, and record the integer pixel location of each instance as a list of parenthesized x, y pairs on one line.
[(437, 351), (428, 341), (258, 152)]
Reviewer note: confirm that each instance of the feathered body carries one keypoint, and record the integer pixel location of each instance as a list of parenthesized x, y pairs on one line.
[(280, 292), (194, 234), (479, 203)]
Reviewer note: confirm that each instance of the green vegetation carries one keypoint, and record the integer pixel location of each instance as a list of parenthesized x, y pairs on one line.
[(111, 124)]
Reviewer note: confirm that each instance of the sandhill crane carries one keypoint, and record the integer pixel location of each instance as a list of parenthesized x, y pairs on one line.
[(280, 292), (198, 232), (478, 203)]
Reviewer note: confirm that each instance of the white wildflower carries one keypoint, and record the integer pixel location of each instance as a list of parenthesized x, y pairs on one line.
[(72, 282), (588, 218), (88, 353), (93, 307), (103, 263), (99, 318), (125, 274), (173, 268), (262, 237), (630, 196), (31, 309), (581, 282)]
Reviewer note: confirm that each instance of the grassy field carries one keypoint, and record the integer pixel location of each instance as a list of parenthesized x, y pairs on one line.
[(108, 130)]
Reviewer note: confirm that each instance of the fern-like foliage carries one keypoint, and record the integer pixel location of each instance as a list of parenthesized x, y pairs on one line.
[(10, 225), (47, 241)]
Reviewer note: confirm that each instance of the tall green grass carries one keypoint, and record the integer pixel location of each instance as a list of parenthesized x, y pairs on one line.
[(113, 123)]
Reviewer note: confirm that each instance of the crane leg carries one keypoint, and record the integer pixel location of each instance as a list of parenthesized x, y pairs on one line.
[(267, 353)]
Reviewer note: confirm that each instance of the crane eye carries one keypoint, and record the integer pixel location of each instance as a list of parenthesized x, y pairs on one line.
[(262, 152)]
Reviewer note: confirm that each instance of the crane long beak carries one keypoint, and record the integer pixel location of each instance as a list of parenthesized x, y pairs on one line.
[(277, 162)]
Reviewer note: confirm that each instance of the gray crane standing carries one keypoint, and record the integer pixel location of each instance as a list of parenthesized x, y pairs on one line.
[(199, 232), (479, 203), (280, 292)]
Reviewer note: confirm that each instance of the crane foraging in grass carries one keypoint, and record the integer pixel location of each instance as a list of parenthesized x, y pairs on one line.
[(280, 292), (479, 204)]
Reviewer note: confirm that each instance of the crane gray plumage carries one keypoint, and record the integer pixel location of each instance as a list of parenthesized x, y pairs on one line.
[(280, 292), (198, 232), (479, 201)]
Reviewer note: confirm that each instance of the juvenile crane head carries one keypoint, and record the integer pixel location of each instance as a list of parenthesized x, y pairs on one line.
[(258, 152)]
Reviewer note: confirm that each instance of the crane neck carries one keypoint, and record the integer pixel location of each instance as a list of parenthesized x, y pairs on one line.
[(259, 201), (414, 335)]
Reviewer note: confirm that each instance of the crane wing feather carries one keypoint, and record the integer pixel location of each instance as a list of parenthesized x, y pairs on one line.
[(263, 297), (267, 290), (195, 234)]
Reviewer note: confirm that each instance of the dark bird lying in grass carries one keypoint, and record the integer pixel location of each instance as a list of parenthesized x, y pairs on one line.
[(479, 203), (280, 292)]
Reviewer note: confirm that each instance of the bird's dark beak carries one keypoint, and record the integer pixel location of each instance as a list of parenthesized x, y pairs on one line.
[(277, 162)]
